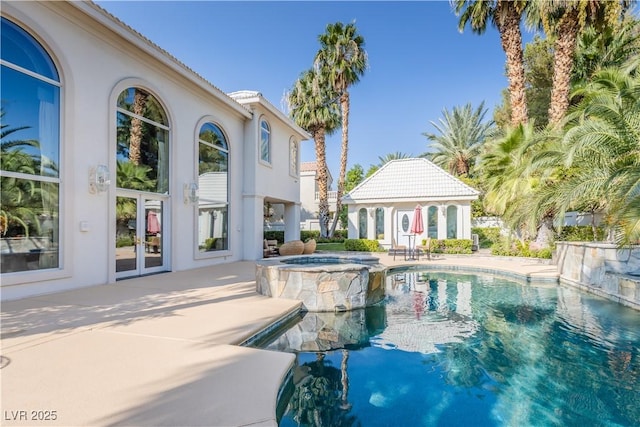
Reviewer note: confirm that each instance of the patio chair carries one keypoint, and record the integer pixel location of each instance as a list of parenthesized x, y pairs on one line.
[(425, 249), (270, 248), (398, 249)]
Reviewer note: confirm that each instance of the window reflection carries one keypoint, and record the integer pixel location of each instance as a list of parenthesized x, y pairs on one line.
[(362, 223), (265, 142), (29, 225), (142, 143), (379, 223), (432, 222), (213, 167), (29, 154), (452, 222)]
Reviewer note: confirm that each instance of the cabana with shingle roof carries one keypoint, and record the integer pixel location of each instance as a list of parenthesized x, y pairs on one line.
[(383, 205)]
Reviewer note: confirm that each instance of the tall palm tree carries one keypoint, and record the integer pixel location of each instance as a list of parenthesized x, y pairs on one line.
[(343, 60), (506, 16), (563, 20), (311, 106), (460, 136)]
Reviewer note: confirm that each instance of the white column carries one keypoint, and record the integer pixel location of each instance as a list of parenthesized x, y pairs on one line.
[(352, 225), (253, 227), (371, 223), (442, 222), (291, 221)]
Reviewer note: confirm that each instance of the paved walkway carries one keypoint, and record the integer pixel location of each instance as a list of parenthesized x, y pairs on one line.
[(158, 350)]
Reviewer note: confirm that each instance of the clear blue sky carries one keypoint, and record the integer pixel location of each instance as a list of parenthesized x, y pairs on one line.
[(419, 63)]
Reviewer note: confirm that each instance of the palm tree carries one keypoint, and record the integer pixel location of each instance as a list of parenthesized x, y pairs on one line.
[(311, 106), (460, 136), (602, 146), (564, 19), (511, 183), (506, 16), (343, 60), (392, 156)]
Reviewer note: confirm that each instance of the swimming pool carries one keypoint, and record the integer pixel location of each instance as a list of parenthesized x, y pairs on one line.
[(466, 350)]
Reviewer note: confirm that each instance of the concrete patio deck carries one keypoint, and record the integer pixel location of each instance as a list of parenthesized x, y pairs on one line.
[(161, 350)]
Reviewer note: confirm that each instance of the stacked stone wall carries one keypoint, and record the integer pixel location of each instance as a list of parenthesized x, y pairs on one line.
[(601, 268)]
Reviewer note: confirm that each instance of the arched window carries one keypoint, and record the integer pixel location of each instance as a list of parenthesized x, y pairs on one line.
[(293, 157), (213, 182), (30, 151), (452, 222), (362, 223), (379, 223), (265, 141), (142, 150), (432, 222)]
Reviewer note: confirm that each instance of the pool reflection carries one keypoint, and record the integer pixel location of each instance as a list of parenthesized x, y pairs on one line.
[(453, 349)]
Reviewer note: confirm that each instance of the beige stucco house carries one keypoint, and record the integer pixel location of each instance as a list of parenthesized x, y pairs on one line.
[(122, 161), (383, 205)]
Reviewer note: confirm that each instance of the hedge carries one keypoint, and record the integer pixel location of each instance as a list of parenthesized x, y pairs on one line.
[(451, 246), (361, 245)]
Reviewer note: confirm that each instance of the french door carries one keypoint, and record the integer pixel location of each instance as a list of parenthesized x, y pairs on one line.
[(402, 227), (141, 227)]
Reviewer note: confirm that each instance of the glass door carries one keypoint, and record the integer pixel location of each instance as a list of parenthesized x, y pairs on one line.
[(140, 227)]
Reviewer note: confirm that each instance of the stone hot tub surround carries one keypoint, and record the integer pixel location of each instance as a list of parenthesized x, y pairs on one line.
[(323, 282)]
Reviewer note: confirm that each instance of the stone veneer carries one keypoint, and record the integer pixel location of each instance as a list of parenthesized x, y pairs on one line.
[(322, 282), (601, 268)]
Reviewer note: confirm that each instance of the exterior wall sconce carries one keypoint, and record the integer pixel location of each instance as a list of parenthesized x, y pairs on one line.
[(443, 209), (99, 179), (191, 193)]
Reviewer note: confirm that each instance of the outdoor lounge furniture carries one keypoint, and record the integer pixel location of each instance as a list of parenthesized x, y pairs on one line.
[(309, 246), (270, 248), (424, 249), (398, 249), (294, 247), (153, 244)]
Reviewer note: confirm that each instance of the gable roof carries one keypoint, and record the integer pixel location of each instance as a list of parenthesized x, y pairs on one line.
[(410, 180)]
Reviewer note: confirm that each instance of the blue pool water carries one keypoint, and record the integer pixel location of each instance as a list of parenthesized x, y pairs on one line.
[(466, 350)]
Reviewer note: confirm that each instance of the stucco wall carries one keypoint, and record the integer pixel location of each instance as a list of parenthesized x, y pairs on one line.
[(95, 64), (601, 268)]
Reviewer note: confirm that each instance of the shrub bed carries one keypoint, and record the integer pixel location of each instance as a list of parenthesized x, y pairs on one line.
[(362, 245), (451, 246)]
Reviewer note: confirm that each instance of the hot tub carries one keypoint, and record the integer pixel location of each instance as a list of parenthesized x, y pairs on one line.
[(323, 282)]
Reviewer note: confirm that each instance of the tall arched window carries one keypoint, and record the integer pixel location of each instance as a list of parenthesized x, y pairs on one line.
[(432, 222), (379, 223), (452, 222), (213, 174), (30, 153), (142, 142), (293, 157), (265, 141), (362, 223)]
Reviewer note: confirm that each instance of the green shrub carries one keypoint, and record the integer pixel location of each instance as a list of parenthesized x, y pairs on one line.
[(124, 240), (487, 236), (309, 234), (274, 235), (514, 247), (545, 253), (361, 245), (451, 246), (579, 233), (210, 243)]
